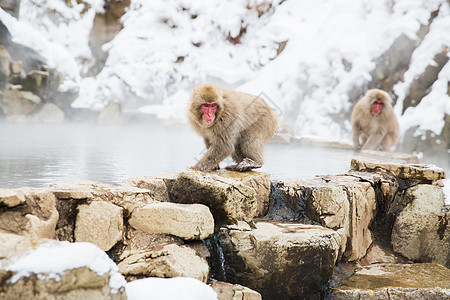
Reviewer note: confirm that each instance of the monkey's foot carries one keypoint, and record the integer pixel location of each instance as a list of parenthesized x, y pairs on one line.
[(245, 165), (231, 167), (356, 149)]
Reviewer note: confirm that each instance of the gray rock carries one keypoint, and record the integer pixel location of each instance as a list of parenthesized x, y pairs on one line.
[(100, 223), (188, 221), (5, 60), (158, 186), (15, 102), (229, 291), (421, 231), (36, 217), (16, 67), (49, 113), (72, 194), (378, 253), (280, 260), (11, 197), (127, 197), (11, 6), (229, 195), (169, 261), (342, 203), (112, 113), (15, 245), (387, 156), (402, 171), (395, 282)]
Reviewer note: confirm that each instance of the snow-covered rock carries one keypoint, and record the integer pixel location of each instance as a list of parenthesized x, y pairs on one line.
[(60, 269)]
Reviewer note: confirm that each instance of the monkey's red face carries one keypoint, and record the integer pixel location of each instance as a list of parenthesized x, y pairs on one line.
[(377, 106), (209, 111)]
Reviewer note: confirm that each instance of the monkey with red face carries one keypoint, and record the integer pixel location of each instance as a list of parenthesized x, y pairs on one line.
[(374, 124), (231, 123)]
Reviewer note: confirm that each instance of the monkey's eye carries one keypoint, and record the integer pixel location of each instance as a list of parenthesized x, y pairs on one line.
[(209, 105), (378, 102)]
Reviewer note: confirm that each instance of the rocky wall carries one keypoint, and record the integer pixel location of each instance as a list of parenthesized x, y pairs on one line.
[(240, 232)]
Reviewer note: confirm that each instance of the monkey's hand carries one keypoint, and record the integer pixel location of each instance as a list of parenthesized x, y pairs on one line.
[(200, 167), (214, 155), (374, 140)]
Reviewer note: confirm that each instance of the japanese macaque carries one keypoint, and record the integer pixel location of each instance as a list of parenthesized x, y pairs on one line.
[(231, 123), (374, 124)]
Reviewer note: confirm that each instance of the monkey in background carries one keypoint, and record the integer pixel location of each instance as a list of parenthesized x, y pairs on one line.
[(231, 123), (374, 124)]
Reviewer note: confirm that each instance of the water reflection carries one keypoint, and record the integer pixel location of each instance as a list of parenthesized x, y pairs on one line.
[(37, 155)]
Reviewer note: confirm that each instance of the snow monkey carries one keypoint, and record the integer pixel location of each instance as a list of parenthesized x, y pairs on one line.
[(374, 124), (231, 123)]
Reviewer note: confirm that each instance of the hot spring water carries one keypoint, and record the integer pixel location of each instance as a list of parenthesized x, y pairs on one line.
[(37, 155)]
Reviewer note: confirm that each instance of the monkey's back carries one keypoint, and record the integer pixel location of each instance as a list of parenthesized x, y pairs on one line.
[(253, 111)]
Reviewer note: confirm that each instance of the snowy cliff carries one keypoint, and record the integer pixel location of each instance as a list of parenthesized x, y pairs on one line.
[(312, 61)]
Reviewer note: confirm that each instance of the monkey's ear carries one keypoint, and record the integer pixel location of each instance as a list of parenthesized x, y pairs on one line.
[(223, 96)]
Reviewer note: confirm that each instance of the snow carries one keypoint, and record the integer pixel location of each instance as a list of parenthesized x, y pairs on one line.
[(447, 190), (50, 260), (173, 107), (168, 46), (55, 54), (437, 101), (57, 23), (433, 103), (179, 288)]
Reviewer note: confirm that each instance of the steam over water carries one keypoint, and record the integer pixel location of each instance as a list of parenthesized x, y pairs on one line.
[(37, 155)]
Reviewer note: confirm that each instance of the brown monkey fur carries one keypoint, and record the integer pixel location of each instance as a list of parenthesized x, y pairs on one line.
[(374, 131), (242, 126)]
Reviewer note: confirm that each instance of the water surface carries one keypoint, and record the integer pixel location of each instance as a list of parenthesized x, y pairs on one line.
[(37, 155)]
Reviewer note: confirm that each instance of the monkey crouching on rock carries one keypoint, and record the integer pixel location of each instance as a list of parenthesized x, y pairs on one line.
[(231, 123), (374, 124)]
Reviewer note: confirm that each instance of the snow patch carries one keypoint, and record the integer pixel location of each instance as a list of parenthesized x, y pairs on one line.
[(169, 289), (446, 189), (50, 260)]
